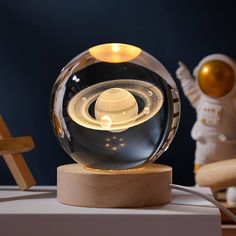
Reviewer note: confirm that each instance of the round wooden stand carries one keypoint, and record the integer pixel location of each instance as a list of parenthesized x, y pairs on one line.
[(147, 186)]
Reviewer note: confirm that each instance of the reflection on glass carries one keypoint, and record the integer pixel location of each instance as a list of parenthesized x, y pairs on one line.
[(115, 113)]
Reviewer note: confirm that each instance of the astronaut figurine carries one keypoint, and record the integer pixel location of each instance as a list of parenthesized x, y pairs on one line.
[(213, 95)]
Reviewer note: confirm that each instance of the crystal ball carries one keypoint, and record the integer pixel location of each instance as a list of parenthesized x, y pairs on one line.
[(114, 107)]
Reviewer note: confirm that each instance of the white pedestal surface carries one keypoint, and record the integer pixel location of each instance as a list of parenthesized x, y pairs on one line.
[(37, 213)]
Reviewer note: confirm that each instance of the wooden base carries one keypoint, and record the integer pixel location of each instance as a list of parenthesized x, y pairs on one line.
[(147, 186)]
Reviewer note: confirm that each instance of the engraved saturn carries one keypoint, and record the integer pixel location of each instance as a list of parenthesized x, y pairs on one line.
[(113, 105)]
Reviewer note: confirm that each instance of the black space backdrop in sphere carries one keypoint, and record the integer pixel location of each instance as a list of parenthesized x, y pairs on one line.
[(37, 38)]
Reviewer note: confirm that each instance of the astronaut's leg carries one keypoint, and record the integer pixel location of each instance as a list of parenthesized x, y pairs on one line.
[(203, 153)]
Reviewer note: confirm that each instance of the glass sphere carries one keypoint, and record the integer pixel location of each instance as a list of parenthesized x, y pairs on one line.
[(115, 107)]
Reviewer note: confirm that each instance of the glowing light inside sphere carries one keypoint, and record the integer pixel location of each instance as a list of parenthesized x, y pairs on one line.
[(115, 52), (115, 47), (114, 106)]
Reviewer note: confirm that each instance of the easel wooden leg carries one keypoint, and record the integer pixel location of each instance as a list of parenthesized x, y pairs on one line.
[(16, 162)]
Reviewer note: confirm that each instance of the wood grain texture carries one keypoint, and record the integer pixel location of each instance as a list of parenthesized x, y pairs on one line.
[(16, 145), (218, 175), (148, 186), (16, 162)]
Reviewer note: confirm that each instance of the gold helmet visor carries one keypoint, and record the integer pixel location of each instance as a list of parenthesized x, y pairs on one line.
[(216, 78)]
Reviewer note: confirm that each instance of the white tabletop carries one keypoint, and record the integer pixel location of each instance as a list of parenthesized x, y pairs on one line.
[(37, 212)]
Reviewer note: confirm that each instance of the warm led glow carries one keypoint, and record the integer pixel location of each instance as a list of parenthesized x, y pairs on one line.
[(115, 52), (115, 47)]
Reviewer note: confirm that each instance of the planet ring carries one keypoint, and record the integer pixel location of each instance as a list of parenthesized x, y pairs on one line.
[(78, 106)]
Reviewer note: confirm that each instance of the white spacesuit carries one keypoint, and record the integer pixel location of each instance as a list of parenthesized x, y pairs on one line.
[(213, 95)]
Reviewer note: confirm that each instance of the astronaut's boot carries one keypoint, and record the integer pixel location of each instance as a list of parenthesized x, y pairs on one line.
[(231, 195)]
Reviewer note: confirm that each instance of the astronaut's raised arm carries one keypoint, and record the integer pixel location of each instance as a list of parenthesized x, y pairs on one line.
[(189, 84)]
